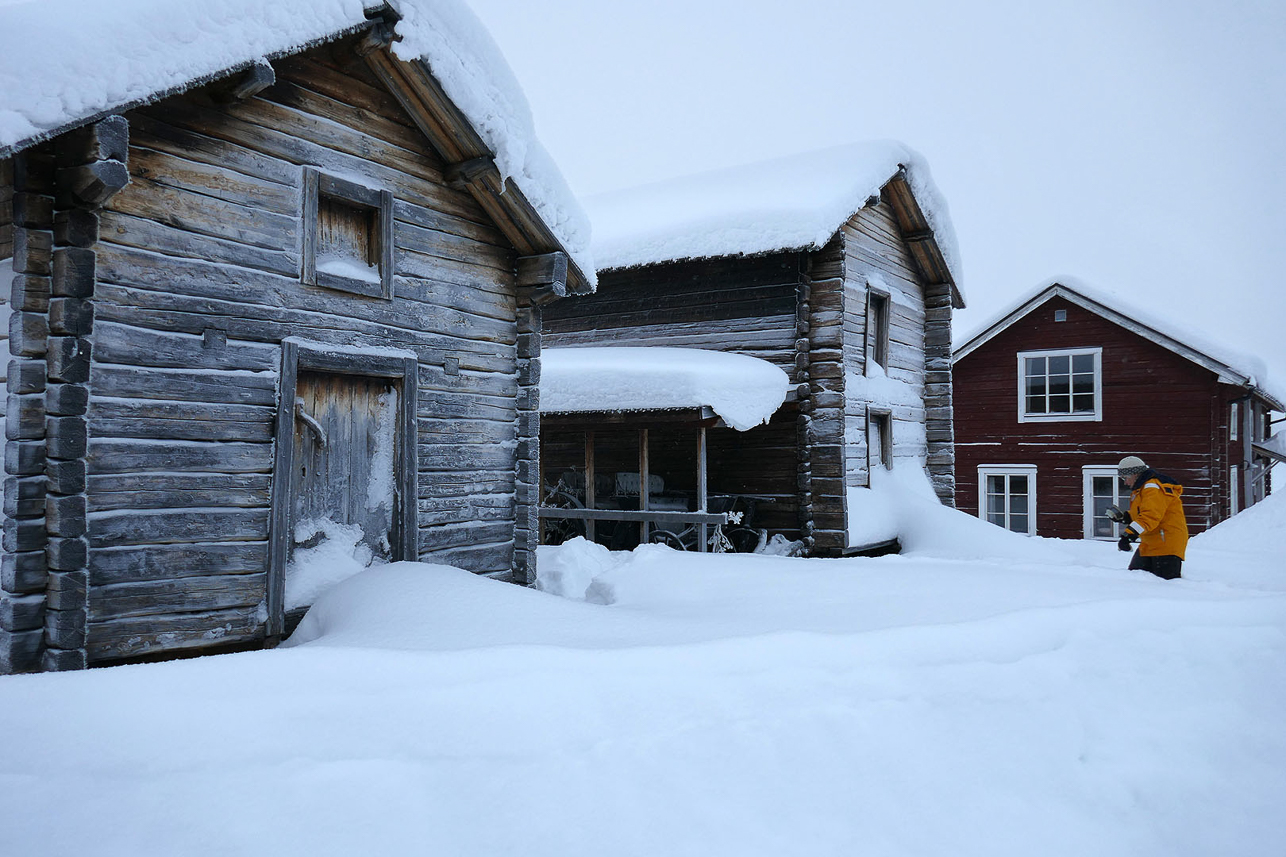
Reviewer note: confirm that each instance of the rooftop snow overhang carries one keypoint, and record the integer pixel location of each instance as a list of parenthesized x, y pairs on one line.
[(1225, 373), (795, 204), (471, 161), (688, 383)]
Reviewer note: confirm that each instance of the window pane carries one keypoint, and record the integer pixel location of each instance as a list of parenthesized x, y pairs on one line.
[(1035, 404), (1036, 386), (1018, 504), (1060, 365), (1060, 404), (995, 485), (1102, 528), (996, 505), (1059, 384), (1083, 363), (1083, 403), (1082, 383), (1018, 484), (1104, 486), (1018, 523), (996, 518), (1035, 366)]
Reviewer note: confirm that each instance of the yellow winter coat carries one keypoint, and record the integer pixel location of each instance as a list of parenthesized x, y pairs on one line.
[(1156, 512)]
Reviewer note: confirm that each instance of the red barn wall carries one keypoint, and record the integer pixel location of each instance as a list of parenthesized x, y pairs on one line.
[(1157, 405)]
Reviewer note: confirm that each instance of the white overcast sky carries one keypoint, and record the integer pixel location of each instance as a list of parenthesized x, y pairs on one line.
[(1136, 145)]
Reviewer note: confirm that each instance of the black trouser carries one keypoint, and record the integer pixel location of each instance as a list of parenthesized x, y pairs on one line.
[(1165, 567)]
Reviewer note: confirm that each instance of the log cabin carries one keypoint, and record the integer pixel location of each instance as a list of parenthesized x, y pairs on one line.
[(838, 266), (273, 285), (1053, 393)]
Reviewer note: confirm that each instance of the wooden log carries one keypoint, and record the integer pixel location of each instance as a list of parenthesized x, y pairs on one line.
[(66, 400), (182, 595), (141, 346), (95, 183), (104, 140), (170, 526), (67, 554), (243, 85), (209, 386), (155, 562), (30, 293), (23, 573), (135, 636), (130, 455)]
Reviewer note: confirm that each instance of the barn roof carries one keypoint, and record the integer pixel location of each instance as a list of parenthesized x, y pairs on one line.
[(1231, 366), (792, 203), (744, 391), (65, 63)]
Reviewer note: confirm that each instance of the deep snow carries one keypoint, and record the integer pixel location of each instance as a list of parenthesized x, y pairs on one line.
[(982, 694)]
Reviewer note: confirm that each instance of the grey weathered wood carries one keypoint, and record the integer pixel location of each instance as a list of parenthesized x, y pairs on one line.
[(131, 637), (168, 526), (179, 595), (95, 183), (168, 561), (132, 455), (245, 84)]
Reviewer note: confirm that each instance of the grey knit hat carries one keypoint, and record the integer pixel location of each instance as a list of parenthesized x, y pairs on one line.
[(1130, 465)]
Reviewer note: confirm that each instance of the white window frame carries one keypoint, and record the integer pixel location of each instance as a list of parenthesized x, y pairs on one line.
[(1096, 416), (1088, 473), (1028, 470), (1234, 490)]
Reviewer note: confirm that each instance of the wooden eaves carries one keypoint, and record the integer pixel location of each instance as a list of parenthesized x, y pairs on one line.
[(472, 167), (919, 236)]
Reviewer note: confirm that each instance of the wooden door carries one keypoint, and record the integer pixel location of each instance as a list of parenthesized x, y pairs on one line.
[(346, 442)]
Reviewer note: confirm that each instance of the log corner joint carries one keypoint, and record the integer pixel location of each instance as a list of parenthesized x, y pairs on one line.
[(246, 84), (382, 31), (542, 279)]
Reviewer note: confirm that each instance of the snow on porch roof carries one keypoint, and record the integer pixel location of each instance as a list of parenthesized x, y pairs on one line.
[(796, 202), (744, 391), (1232, 367), (67, 62)]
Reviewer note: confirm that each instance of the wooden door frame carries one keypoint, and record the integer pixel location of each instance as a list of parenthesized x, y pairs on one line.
[(302, 355)]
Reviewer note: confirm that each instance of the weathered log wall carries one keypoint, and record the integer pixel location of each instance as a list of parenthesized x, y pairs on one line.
[(199, 282), (876, 258)]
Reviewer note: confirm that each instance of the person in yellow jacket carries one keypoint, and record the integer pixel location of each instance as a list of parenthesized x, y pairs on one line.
[(1155, 519)]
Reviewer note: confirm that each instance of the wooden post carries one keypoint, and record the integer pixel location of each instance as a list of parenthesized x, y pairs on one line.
[(589, 483), (702, 499), (644, 500)]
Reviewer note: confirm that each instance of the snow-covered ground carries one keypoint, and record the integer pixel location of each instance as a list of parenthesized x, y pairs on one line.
[(980, 694)]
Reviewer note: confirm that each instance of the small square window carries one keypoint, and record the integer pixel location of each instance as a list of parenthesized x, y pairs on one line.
[(348, 236), (1060, 385), (879, 439), (1060, 315)]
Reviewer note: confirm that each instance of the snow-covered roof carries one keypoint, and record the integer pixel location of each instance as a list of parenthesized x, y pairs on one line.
[(796, 202), (1231, 366), (744, 391), (67, 62)]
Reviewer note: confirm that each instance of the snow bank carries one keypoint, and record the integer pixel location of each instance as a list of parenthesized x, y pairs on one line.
[(795, 202), (722, 704), (338, 554), (745, 391), (107, 56)]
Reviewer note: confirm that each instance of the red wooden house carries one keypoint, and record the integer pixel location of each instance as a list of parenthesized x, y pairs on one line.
[(1052, 395)]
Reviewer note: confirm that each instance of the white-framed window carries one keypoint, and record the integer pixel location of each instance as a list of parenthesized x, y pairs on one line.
[(1060, 385), (1234, 490), (1100, 488), (1234, 421), (1007, 496)]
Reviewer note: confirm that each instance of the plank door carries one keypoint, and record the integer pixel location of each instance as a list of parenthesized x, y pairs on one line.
[(346, 437)]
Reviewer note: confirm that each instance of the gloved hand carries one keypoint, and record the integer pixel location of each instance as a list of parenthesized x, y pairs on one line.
[(1127, 541), (1119, 516)]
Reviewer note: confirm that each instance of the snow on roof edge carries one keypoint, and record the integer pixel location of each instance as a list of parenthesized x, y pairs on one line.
[(122, 56), (790, 203), (1250, 370)]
